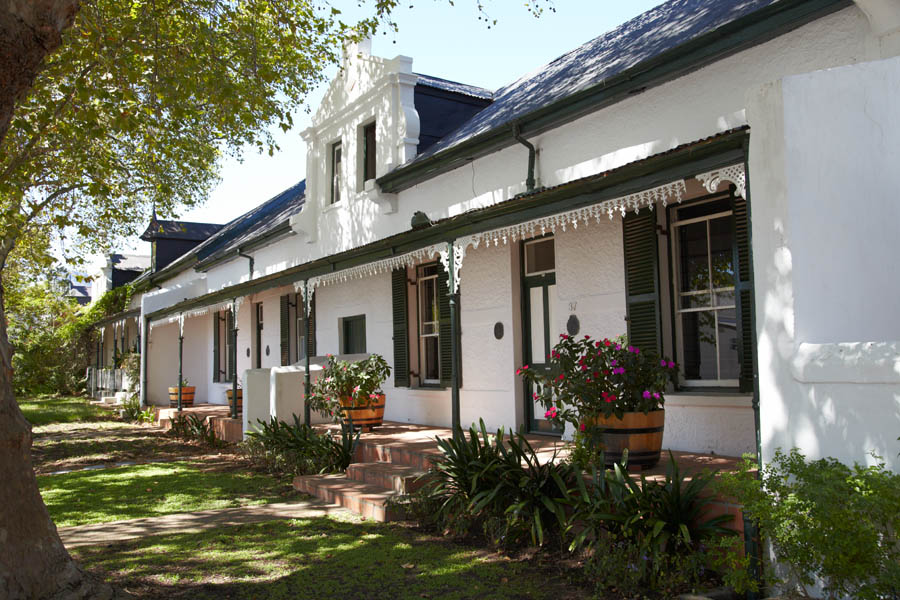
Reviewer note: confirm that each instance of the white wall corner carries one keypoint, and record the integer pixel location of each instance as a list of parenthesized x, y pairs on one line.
[(305, 222), (386, 202), (883, 15)]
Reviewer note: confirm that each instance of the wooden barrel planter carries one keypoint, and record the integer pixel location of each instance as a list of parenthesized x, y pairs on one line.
[(240, 398), (187, 396), (641, 434), (365, 416)]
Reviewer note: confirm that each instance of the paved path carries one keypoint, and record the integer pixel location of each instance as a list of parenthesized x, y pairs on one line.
[(124, 463), (121, 531)]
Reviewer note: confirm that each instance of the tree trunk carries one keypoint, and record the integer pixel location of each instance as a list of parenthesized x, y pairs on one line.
[(34, 564), (29, 31)]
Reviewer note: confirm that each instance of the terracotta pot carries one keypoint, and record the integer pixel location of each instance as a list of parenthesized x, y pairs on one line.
[(240, 397), (366, 416), (641, 434), (187, 396)]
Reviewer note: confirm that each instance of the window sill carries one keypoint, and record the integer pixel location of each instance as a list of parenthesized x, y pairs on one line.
[(709, 398), (335, 206), (429, 386)]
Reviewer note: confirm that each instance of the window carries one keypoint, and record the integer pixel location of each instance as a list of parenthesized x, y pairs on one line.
[(704, 280), (335, 172), (540, 256), (258, 337), (422, 329), (368, 152), (429, 324), (353, 334), (688, 293), (223, 340)]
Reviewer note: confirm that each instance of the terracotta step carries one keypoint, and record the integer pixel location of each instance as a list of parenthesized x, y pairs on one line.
[(365, 499), (416, 455), (402, 479)]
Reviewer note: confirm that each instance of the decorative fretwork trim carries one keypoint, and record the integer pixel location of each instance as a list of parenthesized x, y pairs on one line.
[(734, 174)]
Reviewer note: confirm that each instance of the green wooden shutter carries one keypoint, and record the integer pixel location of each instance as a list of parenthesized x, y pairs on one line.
[(642, 280), (311, 328), (232, 356), (216, 347), (285, 330), (444, 328), (744, 293), (400, 298)]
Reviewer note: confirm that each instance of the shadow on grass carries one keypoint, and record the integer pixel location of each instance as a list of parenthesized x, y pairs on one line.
[(117, 494), (44, 410), (319, 558)]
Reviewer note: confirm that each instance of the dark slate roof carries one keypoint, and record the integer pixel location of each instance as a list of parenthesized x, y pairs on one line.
[(254, 224), (453, 86), (179, 230), (643, 38), (129, 262)]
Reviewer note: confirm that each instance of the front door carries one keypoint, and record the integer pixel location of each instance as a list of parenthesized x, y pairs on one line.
[(538, 318)]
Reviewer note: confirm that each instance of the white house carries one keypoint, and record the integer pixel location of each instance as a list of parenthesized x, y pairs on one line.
[(716, 178)]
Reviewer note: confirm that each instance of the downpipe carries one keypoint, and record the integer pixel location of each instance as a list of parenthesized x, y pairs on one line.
[(529, 181)]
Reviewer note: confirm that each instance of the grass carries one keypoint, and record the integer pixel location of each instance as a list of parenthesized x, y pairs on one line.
[(85, 497), (321, 558), (47, 410)]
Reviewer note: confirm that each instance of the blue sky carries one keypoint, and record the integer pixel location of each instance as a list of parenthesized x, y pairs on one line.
[(444, 41)]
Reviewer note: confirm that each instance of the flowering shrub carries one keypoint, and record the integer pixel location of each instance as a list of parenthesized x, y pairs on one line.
[(357, 383), (590, 378)]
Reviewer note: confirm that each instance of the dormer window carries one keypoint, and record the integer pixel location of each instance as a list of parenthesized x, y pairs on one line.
[(335, 172), (368, 152)]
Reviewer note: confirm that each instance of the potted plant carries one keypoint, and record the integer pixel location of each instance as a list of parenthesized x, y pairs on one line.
[(187, 395), (609, 391), (351, 391), (240, 394)]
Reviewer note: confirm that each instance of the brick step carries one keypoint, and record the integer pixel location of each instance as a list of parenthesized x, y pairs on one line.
[(366, 499), (415, 455), (402, 479)]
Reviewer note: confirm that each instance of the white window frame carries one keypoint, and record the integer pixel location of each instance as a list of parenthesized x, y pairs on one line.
[(712, 292), (421, 323), (335, 169), (540, 240)]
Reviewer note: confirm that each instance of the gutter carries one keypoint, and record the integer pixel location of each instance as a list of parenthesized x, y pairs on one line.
[(720, 151), (751, 30)]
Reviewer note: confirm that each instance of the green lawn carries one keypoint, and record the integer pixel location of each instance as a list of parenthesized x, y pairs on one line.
[(46, 410), (87, 497), (322, 558)]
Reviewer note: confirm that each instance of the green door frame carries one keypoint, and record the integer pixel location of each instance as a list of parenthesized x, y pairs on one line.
[(543, 280)]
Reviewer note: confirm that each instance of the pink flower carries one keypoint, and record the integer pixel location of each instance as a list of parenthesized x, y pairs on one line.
[(613, 362), (535, 396), (583, 367), (607, 343), (518, 371), (662, 363), (671, 365), (356, 390), (561, 377), (582, 427), (563, 336), (587, 337), (656, 395), (618, 346), (646, 394), (525, 367), (551, 413)]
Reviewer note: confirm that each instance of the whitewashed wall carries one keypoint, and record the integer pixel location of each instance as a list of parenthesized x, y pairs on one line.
[(824, 178)]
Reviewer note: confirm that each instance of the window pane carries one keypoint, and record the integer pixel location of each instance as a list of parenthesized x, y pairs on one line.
[(699, 336), (724, 298), (369, 152), (693, 258), (702, 209), (695, 300), (428, 307), (336, 173), (540, 256), (729, 367), (431, 370), (722, 249)]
